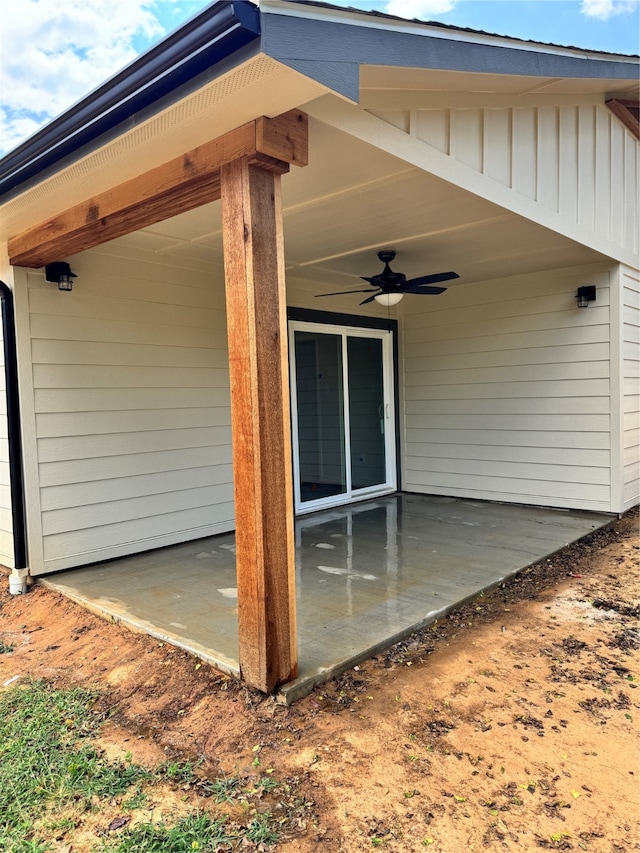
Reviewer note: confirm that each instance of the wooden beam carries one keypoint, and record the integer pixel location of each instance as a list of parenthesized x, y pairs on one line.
[(628, 112), (284, 137), (260, 419), (181, 184)]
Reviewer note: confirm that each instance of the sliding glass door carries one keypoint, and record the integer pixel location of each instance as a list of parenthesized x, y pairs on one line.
[(342, 413)]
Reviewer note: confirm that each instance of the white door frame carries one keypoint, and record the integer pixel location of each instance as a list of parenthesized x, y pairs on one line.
[(350, 495)]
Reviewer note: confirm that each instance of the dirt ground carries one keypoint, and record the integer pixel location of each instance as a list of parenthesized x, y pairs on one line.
[(511, 725)]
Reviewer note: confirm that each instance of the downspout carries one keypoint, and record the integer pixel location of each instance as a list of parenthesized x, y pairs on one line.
[(18, 577)]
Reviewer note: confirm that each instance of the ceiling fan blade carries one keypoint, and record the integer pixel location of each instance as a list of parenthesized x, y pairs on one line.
[(368, 299), (431, 279), (340, 292), (423, 289)]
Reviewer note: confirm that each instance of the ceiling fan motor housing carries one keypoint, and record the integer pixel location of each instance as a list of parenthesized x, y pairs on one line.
[(394, 285), (388, 279)]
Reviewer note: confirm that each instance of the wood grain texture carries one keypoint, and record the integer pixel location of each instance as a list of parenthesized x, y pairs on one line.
[(181, 184), (260, 417), (628, 113), (284, 137)]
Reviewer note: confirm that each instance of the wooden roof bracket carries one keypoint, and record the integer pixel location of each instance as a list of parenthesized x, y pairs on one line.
[(628, 112)]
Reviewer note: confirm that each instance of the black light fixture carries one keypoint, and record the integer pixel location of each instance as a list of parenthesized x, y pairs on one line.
[(585, 295), (60, 273)]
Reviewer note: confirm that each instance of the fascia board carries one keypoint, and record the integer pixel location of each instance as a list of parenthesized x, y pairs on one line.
[(377, 20), (314, 44)]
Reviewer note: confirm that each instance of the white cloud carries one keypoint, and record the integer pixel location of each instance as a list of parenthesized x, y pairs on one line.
[(55, 51), (605, 9), (421, 9), (15, 128)]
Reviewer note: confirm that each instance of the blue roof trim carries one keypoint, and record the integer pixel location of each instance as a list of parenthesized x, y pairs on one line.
[(206, 40), (301, 42), (384, 16)]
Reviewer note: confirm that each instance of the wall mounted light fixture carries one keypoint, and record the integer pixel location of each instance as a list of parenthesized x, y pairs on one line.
[(60, 273), (585, 295)]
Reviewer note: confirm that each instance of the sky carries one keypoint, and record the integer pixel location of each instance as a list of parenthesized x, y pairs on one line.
[(53, 52)]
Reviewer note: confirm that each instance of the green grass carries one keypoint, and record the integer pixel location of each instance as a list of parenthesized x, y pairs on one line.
[(194, 832), (53, 776), (225, 790), (47, 757), (180, 772)]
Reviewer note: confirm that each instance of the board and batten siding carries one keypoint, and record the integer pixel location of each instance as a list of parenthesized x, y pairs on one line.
[(631, 386), (131, 403), (574, 160), (506, 392)]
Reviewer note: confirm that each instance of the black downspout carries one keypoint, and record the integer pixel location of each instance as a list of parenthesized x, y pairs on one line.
[(13, 427)]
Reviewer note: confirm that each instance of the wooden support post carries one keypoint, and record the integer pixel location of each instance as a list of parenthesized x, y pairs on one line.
[(260, 418)]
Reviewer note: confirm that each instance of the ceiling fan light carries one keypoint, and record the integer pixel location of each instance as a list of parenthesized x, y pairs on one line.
[(388, 299)]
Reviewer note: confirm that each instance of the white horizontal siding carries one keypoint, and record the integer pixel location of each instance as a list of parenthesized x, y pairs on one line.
[(84, 354), (57, 400), (504, 438), (529, 454), (631, 387), (130, 376), (132, 412), (506, 395), (126, 507), (132, 465), (135, 420), (132, 486), (139, 534), (121, 444), (576, 160)]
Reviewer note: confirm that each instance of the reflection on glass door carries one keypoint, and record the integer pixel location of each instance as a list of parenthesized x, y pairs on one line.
[(343, 436), (320, 408), (366, 412)]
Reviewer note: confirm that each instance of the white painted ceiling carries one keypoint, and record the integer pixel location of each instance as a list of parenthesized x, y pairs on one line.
[(352, 200)]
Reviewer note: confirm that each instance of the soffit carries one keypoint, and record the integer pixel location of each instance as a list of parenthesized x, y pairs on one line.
[(260, 86), (416, 81)]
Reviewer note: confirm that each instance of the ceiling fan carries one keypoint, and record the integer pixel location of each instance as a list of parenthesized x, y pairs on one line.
[(390, 287)]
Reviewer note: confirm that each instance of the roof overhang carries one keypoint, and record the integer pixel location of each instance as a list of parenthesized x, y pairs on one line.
[(334, 45), (256, 87), (201, 49), (291, 65), (340, 50)]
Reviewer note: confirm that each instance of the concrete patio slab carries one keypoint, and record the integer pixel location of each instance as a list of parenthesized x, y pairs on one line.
[(367, 575)]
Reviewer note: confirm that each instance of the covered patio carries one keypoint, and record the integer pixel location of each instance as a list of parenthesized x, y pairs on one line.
[(367, 575), (178, 377)]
